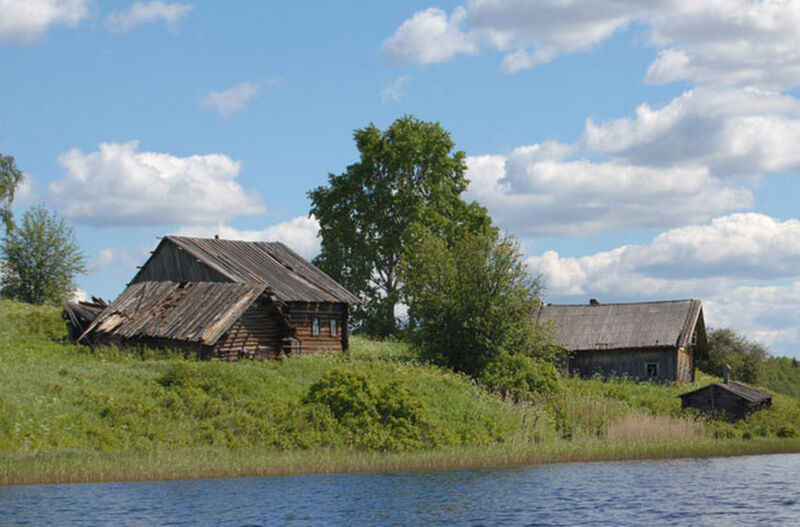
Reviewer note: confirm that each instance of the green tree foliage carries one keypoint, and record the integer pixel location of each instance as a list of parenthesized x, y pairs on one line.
[(407, 175), (782, 374), (10, 178), (746, 358), (470, 299), (40, 259)]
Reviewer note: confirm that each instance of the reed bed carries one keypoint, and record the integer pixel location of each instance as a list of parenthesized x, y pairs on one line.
[(95, 467), (645, 427)]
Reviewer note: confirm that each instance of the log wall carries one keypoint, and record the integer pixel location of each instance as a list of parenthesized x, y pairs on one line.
[(256, 335), (302, 315)]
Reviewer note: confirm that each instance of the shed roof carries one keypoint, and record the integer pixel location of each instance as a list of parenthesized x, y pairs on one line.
[(189, 311), (287, 276), (748, 393), (619, 326)]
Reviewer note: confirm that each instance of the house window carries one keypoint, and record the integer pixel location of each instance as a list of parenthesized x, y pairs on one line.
[(334, 328), (315, 327), (651, 369), (693, 342)]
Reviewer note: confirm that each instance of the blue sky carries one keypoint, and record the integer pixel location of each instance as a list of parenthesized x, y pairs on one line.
[(638, 150)]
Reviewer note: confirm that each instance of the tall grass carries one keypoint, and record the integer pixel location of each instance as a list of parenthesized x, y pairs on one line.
[(207, 462), (644, 427)]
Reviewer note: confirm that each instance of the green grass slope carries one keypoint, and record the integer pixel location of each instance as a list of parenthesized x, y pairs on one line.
[(56, 396)]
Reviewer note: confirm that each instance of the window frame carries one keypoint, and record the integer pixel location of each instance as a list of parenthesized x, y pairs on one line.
[(647, 366), (315, 327), (333, 325)]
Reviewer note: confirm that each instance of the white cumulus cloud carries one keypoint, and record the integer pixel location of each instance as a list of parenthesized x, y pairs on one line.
[(536, 191), (693, 260), (26, 20), (300, 234), (768, 314), (141, 13), (721, 42), (232, 100), (430, 36), (119, 185), (734, 132)]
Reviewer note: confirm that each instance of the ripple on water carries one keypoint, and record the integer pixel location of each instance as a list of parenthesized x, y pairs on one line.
[(753, 490)]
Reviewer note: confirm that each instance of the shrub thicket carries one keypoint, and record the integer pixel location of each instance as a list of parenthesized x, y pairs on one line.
[(520, 378), (386, 418)]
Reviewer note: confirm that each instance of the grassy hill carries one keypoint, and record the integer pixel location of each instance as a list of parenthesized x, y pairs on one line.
[(67, 414)]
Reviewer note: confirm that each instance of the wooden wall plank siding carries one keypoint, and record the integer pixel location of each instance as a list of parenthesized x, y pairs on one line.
[(685, 367), (256, 335), (628, 362), (170, 262)]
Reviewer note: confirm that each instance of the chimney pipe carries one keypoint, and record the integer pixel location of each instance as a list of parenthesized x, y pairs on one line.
[(726, 373)]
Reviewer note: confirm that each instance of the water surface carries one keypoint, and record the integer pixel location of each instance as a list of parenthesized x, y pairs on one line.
[(752, 490)]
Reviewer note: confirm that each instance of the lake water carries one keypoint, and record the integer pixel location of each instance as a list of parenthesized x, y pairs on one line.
[(753, 490)]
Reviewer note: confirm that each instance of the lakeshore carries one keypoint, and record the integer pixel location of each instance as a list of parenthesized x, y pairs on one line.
[(72, 416)]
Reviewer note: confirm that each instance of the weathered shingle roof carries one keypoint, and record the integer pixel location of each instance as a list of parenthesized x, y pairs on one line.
[(618, 326), (286, 274), (190, 311), (748, 393)]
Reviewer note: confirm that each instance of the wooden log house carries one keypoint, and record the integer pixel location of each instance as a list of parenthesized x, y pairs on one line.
[(655, 341), (227, 300)]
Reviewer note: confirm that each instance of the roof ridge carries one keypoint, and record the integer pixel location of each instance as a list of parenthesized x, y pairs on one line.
[(601, 304)]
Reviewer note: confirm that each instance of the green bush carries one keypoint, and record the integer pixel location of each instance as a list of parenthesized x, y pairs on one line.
[(722, 430), (520, 378), (786, 431), (180, 373), (348, 395), (388, 418)]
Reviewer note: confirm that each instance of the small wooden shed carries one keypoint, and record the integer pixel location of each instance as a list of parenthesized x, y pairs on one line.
[(735, 399), (655, 341), (227, 299)]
